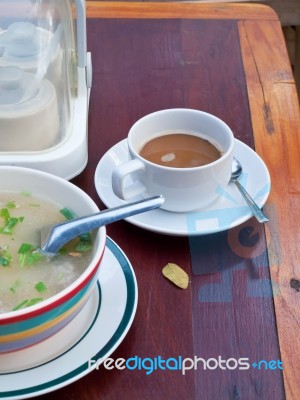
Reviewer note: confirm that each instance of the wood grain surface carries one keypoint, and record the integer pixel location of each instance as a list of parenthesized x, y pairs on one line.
[(276, 124), (230, 60)]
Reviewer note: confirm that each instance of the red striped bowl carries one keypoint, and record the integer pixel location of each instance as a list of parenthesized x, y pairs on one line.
[(28, 326)]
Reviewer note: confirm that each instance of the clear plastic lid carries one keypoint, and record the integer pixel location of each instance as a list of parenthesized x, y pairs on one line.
[(39, 63), (23, 39), (16, 88)]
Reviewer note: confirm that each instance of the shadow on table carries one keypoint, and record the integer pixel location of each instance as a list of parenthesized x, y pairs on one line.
[(240, 251)]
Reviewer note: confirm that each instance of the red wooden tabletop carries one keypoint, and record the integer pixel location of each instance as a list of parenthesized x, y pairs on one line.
[(231, 61)]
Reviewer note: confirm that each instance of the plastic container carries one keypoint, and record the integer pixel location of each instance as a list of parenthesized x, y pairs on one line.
[(45, 80)]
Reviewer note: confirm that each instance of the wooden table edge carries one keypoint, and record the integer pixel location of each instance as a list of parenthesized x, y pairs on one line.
[(99, 9)]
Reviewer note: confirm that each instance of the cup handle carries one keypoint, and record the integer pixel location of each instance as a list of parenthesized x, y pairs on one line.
[(118, 179)]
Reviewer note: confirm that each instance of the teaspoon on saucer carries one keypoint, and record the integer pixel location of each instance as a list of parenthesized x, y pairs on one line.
[(236, 172)]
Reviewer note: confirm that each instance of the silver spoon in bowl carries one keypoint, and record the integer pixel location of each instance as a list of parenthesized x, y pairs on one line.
[(236, 171), (53, 237)]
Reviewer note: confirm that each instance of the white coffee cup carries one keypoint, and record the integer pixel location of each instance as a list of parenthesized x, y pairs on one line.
[(184, 189)]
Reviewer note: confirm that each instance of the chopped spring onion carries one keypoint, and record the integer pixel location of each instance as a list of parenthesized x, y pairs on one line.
[(67, 213), (25, 248), (34, 301), (5, 213), (40, 287), (5, 257), (85, 237), (4, 261), (20, 305), (27, 303), (85, 240), (15, 286), (28, 254), (11, 204), (83, 246), (9, 222)]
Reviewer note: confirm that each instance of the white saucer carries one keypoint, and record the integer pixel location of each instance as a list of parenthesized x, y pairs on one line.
[(227, 211), (93, 335)]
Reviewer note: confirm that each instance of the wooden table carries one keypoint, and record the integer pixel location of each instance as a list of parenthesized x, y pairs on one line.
[(230, 60)]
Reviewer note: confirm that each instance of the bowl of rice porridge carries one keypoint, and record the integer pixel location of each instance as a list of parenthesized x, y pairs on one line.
[(39, 295)]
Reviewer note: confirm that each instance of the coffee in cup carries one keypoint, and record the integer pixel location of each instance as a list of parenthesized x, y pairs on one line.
[(180, 150), (183, 154)]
